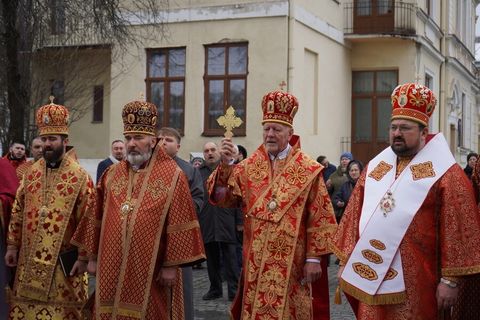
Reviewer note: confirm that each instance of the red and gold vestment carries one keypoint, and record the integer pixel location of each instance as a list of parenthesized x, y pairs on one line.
[(445, 228), (144, 220), (49, 204), (288, 218)]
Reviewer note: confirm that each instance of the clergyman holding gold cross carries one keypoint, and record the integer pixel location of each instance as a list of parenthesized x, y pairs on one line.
[(288, 216)]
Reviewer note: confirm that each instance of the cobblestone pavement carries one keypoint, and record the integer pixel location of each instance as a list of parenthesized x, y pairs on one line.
[(218, 309)]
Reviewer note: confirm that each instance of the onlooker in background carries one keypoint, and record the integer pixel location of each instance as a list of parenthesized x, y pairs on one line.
[(242, 153), (16, 154), (169, 139), (472, 158), (36, 152), (197, 162), (340, 199), (218, 227), (328, 168), (338, 178), (118, 154)]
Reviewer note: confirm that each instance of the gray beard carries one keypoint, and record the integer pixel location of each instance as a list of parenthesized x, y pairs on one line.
[(136, 160)]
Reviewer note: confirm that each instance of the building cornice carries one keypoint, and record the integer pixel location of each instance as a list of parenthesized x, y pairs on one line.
[(239, 11)]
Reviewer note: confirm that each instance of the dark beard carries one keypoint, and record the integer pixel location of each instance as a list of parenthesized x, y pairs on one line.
[(54, 156)]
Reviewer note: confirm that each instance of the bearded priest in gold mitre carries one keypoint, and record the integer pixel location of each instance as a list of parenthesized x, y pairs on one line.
[(53, 196), (144, 228), (288, 217), (411, 230)]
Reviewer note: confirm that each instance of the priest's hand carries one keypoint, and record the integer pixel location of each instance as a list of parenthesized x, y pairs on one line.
[(227, 150), (11, 257), (92, 267), (446, 296), (167, 276), (312, 271), (79, 267)]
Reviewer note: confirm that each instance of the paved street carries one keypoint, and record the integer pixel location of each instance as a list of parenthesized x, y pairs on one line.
[(218, 309)]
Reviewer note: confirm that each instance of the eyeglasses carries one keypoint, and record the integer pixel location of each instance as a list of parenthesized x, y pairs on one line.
[(402, 128)]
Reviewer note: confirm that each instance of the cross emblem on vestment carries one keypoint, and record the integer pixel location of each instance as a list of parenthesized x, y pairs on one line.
[(229, 121)]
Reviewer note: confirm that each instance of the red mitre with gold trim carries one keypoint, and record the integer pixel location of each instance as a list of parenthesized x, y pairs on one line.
[(139, 117), (279, 106), (413, 101), (52, 119)]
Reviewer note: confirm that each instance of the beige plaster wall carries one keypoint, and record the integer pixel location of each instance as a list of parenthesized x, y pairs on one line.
[(267, 51)]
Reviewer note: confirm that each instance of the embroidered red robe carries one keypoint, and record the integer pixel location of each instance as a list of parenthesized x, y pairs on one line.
[(46, 212), (446, 227), (160, 230), (277, 242)]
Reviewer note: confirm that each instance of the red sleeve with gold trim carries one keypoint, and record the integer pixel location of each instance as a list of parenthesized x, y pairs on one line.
[(460, 224), (321, 223), (87, 234), (224, 187), (347, 235), (184, 244), (85, 208)]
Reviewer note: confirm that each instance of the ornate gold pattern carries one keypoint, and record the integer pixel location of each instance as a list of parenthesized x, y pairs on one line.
[(459, 243), (377, 244), (422, 170), (279, 240), (391, 274), (259, 170), (380, 171), (364, 271), (372, 256)]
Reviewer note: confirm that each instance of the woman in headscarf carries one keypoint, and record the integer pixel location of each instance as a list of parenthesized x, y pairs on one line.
[(340, 199)]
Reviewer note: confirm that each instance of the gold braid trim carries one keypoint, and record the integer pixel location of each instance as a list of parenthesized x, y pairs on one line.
[(338, 253), (181, 262), (460, 271), (378, 299), (183, 226)]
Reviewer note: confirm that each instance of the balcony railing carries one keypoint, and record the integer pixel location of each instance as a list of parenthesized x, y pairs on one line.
[(71, 33), (380, 17)]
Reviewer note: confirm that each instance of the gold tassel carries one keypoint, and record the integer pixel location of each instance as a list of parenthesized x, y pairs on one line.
[(338, 296)]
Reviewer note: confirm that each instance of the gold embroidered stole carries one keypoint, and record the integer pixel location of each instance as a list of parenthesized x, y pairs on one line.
[(129, 248), (287, 184), (53, 217)]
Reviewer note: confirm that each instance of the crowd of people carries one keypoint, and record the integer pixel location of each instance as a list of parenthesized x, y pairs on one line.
[(405, 229)]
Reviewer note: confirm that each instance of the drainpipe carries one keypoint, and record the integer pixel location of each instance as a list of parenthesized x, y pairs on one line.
[(442, 118), (290, 27)]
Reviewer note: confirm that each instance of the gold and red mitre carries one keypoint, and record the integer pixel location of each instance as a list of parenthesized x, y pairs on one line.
[(279, 106), (139, 117), (413, 101), (52, 119)]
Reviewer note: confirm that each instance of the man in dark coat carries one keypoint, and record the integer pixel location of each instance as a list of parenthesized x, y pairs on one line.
[(218, 227), (118, 154), (170, 139)]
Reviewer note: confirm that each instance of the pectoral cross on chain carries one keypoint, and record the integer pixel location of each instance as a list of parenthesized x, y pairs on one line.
[(229, 121)]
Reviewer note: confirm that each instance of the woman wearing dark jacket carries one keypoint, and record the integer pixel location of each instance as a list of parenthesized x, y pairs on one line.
[(340, 199), (471, 160)]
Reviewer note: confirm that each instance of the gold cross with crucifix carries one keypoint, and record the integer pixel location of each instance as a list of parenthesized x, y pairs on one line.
[(229, 121), (282, 85)]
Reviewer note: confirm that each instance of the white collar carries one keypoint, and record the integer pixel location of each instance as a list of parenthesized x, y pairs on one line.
[(113, 159), (282, 154)]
